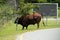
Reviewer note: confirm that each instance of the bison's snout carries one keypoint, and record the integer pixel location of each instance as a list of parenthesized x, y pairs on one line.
[(16, 21)]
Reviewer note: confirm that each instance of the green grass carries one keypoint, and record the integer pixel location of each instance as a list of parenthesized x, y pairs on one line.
[(9, 37), (59, 12), (8, 32)]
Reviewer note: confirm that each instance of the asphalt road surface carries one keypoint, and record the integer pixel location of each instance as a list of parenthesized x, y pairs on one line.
[(44, 34)]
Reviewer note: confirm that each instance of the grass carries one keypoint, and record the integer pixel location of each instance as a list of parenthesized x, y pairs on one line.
[(8, 32), (59, 12), (9, 37)]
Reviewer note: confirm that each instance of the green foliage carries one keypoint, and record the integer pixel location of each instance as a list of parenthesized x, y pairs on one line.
[(25, 8), (35, 1), (1, 0), (54, 1), (42, 1), (21, 1), (31, 1)]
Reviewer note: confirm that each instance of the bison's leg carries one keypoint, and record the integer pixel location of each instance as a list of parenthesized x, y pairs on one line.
[(37, 25), (26, 27), (23, 28)]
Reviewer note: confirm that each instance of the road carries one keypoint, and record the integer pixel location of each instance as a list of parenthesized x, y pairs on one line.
[(44, 34)]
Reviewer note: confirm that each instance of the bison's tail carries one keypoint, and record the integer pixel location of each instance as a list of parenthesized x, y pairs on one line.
[(43, 20)]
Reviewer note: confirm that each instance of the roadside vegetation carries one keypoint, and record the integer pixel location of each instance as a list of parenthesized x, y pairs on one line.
[(8, 14)]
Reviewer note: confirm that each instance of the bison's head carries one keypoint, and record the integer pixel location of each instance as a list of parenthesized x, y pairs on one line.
[(17, 21)]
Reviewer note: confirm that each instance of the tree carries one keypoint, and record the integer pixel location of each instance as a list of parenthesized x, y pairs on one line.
[(57, 1), (54, 1), (31, 1)]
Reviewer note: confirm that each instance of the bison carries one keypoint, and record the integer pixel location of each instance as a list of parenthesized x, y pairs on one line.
[(26, 20)]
